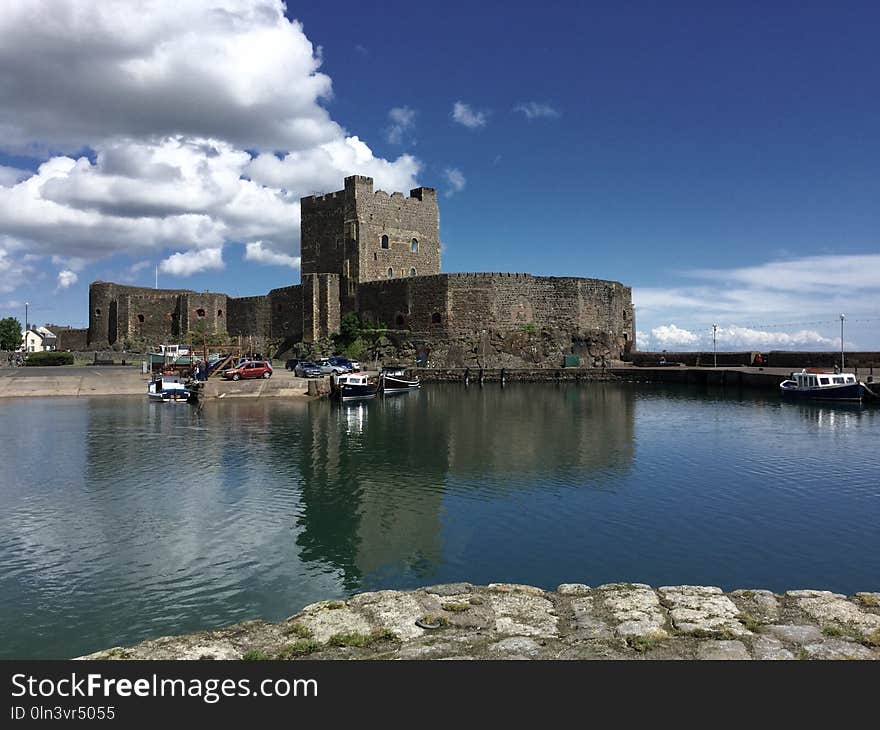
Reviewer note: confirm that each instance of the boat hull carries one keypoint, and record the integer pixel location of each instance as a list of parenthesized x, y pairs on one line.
[(391, 384), (848, 392), (357, 392)]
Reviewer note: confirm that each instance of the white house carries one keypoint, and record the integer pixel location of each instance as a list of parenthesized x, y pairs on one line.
[(38, 339)]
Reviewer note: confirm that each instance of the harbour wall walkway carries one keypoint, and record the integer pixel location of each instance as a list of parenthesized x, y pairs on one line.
[(506, 621)]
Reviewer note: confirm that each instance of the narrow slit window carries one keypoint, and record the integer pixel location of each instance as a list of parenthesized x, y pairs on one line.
[(390, 273), (414, 245), (384, 241)]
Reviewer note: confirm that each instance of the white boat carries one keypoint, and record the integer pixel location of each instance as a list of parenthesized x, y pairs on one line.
[(353, 386), (168, 389), (814, 384)]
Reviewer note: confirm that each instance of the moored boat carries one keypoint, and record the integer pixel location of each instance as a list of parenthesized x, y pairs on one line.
[(168, 389), (353, 386), (820, 385), (394, 380)]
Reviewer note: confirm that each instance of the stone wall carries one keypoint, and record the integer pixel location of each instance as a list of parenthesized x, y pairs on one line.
[(70, 338), (504, 320), (286, 306), (249, 317), (120, 314), (511, 621), (321, 306), (411, 224)]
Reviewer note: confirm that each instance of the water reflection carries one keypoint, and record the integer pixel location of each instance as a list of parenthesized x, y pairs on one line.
[(124, 519)]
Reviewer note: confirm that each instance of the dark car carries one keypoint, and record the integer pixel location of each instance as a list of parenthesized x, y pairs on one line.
[(249, 369), (307, 369), (291, 364)]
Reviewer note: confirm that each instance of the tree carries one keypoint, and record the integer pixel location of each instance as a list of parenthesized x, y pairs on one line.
[(10, 334)]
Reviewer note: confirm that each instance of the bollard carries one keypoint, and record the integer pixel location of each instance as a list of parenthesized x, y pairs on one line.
[(467, 377), (481, 377), (503, 378)]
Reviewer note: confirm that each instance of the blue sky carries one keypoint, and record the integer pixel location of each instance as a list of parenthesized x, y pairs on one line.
[(721, 161)]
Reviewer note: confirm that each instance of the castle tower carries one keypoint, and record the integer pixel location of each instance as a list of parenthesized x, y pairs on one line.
[(366, 235)]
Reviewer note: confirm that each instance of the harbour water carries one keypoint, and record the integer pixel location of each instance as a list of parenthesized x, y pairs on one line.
[(123, 520)]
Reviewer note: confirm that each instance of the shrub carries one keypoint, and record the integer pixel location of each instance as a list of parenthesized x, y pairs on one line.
[(49, 358)]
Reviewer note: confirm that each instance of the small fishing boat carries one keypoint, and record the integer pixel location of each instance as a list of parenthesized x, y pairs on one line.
[(168, 389), (393, 380), (816, 384), (353, 386)]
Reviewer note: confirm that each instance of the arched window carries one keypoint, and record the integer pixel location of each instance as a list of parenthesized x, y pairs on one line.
[(435, 318), (414, 244), (141, 318), (412, 272), (390, 273), (384, 241), (200, 313), (98, 312), (219, 312)]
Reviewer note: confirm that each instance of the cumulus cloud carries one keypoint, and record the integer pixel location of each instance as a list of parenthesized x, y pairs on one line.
[(76, 73), (536, 110), (187, 263), (667, 336), (468, 117), (455, 180), (403, 121), (321, 169), (66, 278), (261, 254), (194, 139)]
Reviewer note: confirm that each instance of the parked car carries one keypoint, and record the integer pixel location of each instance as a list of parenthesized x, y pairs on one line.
[(291, 364), (307, 369), (330, 368), (352, 365), (249, 369)]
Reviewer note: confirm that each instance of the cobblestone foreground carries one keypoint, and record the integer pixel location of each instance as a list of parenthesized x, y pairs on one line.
[(506, 621)]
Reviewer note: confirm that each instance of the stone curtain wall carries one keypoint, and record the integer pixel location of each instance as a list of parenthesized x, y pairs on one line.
[(71, 338), (286, 306), (119, 313), (248, 317)]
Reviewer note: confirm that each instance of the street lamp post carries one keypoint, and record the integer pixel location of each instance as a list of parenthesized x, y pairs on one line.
[(715, 345), (842, 317), (24, 345)]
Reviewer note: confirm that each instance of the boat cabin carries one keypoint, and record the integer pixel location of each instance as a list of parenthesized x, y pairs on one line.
[(807, 380)]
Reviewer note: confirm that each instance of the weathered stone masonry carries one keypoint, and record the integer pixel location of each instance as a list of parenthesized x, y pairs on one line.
[(508, 621), (377, 254)]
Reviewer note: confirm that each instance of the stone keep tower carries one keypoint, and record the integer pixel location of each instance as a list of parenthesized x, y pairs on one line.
[(366, 235)]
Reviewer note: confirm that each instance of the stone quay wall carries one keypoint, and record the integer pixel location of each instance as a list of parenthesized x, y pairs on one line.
[(509, 621), (795, 360)]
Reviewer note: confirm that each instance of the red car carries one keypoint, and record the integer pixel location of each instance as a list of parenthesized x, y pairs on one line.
[(249, 369)]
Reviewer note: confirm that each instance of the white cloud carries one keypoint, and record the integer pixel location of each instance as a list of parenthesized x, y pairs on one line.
[(262, 254), (170, 168), (66, 279), (465, 115), (321, 169), (536, 110), (236, 70), (403, 121), (795, 303), (643, 340), (455, 180), (187, 263), (669, 336)]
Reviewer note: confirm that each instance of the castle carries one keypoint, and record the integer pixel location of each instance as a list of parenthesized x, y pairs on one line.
[(377, 254)]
